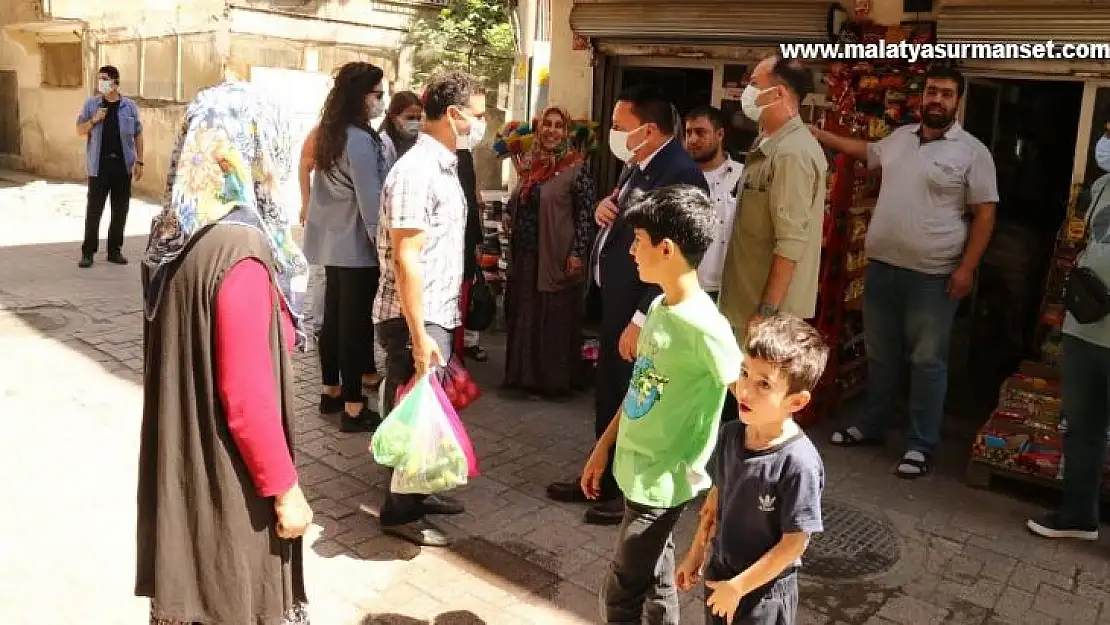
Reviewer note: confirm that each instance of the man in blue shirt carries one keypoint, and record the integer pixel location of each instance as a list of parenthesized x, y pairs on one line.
[(113, 156)]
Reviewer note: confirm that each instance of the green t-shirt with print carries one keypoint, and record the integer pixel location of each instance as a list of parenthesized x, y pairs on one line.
[(686, 357)]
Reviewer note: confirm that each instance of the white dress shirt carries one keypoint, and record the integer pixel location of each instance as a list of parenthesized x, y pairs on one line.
[(722, 184)]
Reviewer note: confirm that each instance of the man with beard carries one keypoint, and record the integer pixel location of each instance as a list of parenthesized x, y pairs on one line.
[(705, 139), (922, 260)]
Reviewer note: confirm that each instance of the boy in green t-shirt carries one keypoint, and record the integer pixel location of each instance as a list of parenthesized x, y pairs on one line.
[(686, 359)]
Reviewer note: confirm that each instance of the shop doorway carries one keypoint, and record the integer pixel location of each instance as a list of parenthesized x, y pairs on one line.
[(687, 87), (1030, 127), (9, 114)]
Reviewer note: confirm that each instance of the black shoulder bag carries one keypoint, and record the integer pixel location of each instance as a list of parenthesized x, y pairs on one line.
[(1085, 294), (481, 306)]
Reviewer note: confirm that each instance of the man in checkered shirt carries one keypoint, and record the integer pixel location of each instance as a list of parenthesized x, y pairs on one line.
[(420, 248)]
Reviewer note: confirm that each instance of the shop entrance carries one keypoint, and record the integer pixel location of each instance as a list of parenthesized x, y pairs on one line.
[(1030, 127), (9, 113), (687, 87)]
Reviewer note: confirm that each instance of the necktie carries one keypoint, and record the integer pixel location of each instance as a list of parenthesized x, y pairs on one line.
[(627, 180)]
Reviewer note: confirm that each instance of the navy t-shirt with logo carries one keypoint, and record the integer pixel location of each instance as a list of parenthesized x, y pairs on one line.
[(762, 495)]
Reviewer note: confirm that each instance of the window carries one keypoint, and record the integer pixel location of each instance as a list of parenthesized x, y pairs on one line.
[(198, 70), (124, 56), (62, 65), (159, 69)]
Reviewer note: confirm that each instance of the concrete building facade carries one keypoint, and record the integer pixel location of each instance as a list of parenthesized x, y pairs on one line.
[(166, 51)]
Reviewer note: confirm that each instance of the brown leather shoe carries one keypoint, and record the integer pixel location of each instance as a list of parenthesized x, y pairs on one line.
[(606, 513)]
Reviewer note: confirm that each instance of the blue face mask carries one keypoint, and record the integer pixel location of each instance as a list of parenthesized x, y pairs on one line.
[(1102, 153)]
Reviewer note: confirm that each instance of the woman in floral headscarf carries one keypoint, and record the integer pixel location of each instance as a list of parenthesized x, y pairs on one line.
[(551, 213), (220, 514)]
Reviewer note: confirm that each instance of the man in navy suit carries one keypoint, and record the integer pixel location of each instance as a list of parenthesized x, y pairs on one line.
[(642, 136)]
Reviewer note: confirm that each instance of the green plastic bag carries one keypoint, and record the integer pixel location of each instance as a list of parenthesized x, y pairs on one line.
[(416, 439)]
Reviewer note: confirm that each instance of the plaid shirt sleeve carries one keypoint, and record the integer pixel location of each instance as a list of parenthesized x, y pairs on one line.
[(408, 200)]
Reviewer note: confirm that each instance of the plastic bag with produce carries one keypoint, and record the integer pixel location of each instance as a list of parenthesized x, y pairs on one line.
[(427, 448)]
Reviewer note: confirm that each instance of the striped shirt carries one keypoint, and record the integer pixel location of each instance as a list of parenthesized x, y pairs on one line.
[(422, 192)]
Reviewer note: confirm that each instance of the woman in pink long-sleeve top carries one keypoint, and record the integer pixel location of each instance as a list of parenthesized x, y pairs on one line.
[(220, 512)]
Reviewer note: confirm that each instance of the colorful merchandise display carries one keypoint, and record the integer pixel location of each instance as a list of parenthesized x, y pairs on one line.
[(867, 100), (1023, 437)]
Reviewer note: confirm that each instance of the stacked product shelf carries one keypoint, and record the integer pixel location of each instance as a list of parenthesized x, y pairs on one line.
[(1023, 436), (868, 100)]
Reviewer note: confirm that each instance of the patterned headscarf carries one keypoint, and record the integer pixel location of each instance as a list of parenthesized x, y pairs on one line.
[(540, 164), (234, 151)]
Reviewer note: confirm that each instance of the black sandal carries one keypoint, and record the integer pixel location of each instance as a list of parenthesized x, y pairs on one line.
[(847, 439), (923, 468)]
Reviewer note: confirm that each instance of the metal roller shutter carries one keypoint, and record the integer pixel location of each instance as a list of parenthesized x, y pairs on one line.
[(990, 23), (701, 21)]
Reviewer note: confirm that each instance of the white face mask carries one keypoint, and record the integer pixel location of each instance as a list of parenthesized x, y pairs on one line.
[(411, 127), (1102, 153), (105, 86), (473, 137), (377, 107), (747, 102), (618, 143), (477, 133)]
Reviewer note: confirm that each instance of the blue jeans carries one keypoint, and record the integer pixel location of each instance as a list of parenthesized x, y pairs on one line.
[(1085, 373), (906, 315)]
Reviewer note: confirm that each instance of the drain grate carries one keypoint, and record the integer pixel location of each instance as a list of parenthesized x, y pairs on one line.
[(45, 319), (855, 544), (50, 321)]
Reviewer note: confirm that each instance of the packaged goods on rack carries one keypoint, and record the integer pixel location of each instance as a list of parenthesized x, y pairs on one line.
[(867, 99), (1032, 395)]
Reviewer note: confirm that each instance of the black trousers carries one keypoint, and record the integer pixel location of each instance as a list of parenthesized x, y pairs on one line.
[(347, 336), (393, 335), (641, 574), (773, 604), (613, 375), (113, 180)]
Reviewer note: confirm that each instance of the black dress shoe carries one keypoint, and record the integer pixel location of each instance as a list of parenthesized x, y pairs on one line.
[(566, 492), (442, 504), (85, 262), (117, 259), (420, 532), (366, 421), (606, 513), (330, 405)]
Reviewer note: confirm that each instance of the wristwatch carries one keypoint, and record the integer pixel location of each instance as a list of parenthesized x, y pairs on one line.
[(767, 310)]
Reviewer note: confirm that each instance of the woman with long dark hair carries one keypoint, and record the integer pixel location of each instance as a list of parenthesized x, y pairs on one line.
[(401, 125), (341, 234)]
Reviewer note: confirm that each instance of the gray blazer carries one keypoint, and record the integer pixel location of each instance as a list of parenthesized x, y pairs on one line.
[(342, 225)]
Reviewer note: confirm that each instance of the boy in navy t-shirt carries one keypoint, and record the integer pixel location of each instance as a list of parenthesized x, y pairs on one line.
[(766, 501)]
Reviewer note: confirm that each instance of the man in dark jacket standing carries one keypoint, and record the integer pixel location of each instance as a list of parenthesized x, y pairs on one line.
[(467, 343), (642, 136)]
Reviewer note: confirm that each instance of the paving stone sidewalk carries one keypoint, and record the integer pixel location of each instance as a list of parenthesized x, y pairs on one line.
[(70, 402)]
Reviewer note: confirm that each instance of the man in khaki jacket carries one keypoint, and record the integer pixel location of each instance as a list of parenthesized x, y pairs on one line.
[(774, 254)]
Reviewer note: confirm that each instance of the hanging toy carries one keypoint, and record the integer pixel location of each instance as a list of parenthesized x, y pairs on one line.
[(862, 9)]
